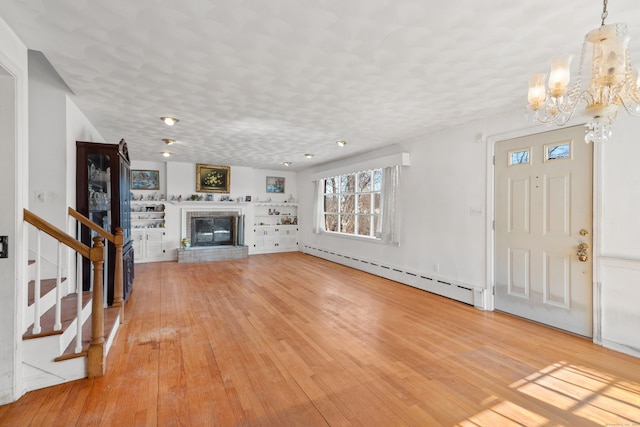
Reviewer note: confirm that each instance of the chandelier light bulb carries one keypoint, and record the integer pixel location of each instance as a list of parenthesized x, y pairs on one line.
[(560, 76), (308, 155), (166, 154), (614, 59), (537, 92), (287, 163), (341, 143), (169, 121), (169, 141)]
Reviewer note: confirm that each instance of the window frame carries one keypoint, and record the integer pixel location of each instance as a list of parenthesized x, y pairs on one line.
[(341, 191)]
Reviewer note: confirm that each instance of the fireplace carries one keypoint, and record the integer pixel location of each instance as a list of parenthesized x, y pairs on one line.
[(215, 235), (213, 231), (214, 228)]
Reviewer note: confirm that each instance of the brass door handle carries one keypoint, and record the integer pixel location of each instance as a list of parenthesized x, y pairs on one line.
[(582, 254)]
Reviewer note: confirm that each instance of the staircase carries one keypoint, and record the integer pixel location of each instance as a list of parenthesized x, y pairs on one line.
[(66, 334)]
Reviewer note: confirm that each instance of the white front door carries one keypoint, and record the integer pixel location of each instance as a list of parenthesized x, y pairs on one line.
[(543, 213)]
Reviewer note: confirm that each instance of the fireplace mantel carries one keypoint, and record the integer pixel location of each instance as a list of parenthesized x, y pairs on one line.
[(204, 204)]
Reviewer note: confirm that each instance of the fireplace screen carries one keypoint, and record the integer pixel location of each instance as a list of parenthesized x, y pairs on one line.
[(212, 231)]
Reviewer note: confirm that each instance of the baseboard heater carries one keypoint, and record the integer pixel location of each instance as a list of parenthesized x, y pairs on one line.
[(449, 289)]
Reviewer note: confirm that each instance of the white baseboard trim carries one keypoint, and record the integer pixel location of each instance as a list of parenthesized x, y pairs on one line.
[(635, 352), (478, 297)]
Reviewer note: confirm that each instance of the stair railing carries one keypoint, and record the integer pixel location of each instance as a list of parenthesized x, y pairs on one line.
[(95, 254), (118, 242)]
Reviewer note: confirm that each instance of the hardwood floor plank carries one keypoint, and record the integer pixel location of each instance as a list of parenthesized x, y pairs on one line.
[(290, 339)]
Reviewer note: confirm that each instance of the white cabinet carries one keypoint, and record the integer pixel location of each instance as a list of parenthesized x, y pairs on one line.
[(278, 238), (148, 244), (275, 227), (147, 230)]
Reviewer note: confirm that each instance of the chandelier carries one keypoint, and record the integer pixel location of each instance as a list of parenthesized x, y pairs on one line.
[(612, 83)]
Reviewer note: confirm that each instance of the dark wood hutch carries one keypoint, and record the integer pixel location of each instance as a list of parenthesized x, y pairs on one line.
[(102, 195)]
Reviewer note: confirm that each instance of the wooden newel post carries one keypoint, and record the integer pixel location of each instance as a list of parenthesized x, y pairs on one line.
[(118, 276), (96, 366)]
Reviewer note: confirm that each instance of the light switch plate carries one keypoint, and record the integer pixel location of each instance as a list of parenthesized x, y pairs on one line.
[(4, 246)]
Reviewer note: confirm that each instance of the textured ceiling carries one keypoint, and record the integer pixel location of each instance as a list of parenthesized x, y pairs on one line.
[(255, 83)]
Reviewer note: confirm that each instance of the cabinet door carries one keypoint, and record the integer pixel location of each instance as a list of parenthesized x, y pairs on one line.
[(138, 248), (259, 236), (290, 238), (154, 244), (127, 270), (272, 241)]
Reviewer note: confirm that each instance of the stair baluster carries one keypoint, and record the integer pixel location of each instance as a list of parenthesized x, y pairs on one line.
[(36, 288), (58, 320), (78, 348)]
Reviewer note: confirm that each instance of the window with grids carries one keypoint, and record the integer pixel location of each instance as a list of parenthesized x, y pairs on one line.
[(352, 203)]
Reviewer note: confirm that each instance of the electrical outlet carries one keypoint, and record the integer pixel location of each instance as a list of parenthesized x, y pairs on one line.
[(4, 246)]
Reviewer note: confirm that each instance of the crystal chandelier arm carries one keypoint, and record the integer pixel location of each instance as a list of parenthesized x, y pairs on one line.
[(605, 13)]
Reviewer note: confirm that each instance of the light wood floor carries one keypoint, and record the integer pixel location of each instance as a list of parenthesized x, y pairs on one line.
[(293, 340)]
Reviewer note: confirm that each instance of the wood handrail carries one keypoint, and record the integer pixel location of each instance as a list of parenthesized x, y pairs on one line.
[(118, 241), (61, 236), (113, 238)]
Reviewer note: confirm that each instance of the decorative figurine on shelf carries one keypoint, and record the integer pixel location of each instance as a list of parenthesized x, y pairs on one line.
[(180, 197), (270, 212), (185, 243), (295, 220)]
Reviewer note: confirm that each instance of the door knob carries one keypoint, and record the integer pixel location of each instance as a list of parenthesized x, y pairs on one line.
[(582, 253)]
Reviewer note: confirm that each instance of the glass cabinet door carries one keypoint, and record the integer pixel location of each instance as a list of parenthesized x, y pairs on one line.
[(125, 206), (100, 189)]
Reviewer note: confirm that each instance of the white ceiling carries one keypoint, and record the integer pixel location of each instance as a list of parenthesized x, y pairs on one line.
[(255, 83)]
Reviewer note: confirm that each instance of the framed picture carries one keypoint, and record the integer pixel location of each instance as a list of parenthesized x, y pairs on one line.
[(145, 179), (212, 179), (275, 184)]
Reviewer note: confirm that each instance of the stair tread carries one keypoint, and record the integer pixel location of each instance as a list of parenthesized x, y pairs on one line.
[(68, 316), (110, 319), (46, 286)]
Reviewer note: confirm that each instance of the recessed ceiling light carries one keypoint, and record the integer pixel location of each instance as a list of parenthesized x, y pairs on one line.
[(341, 143), (166, 154), (169, 121), (308, 155), (287, 163), (169, 141)]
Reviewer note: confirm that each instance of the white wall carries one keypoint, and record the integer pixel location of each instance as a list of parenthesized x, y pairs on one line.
[(618, 283), (446, 187), (13, 193), (47, 146), (179, 179), (440, 237), (55, 124)]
